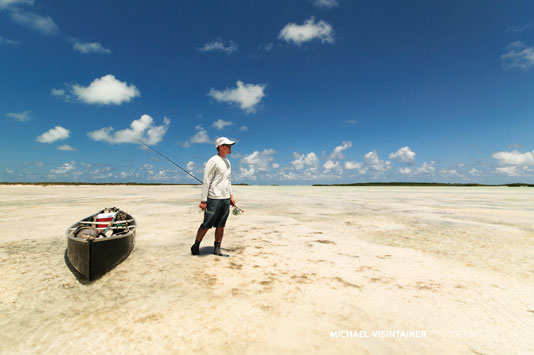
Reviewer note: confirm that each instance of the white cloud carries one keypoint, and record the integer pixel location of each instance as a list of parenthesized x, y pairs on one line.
[(332, 169), (7, 3), (518, 28), (20, 116), (43, 24), (90, 47), (58, 92), (142, 129), (9, 171), (519, 56), (61, 94), (65, 168), (474, 172), (161, 174), (247, 96), (101, 173), (105, 91), (260, 161), (332, 165), (220, 124), (308, 31), (405, 171), (54, 134), (373, 161), (219, 45), (257, 162), (326, 4), (301, 161), (352, 165), (404, 154), (243, 128), (67, 148), (245, 173), (514, 158), (427, 167), (190, 166), (200, 137), (337, 153), (7, 41), (450, 172), (509, 171), (266, 47), (34, 21)]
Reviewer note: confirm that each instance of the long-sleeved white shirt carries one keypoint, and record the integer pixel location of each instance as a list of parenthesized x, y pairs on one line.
[(217, 183)]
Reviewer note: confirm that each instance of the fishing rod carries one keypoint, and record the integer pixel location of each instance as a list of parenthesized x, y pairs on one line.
[(236, 210), (154, 150)]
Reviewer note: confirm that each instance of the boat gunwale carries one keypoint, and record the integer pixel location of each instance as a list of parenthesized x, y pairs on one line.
[(131, 229), (88, 243)]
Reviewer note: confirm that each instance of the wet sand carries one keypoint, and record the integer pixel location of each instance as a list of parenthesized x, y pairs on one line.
[(309, 268)]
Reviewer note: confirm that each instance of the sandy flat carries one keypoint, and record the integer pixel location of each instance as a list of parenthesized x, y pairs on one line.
[(378, 270)]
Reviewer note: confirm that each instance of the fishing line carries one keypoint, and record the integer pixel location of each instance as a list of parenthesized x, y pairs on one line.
[(154, 150), (236, 211)]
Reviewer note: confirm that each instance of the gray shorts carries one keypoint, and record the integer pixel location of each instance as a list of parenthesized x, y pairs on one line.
[(216, 213)]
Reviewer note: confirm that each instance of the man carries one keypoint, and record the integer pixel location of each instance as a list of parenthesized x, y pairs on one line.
[(216, 195)]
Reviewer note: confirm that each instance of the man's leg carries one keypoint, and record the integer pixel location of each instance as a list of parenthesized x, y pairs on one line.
[(201, 233), (195, 248), (219, 233)]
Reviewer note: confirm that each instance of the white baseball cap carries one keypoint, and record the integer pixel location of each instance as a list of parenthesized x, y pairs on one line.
[(223, 140)]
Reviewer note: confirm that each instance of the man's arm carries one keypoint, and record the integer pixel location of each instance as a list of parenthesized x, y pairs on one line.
[(208, 177), (232, 201)]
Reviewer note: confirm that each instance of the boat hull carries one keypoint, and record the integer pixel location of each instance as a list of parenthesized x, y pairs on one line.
[(93, 258)]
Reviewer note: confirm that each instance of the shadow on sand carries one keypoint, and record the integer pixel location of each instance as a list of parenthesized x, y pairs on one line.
[(81, 279), (209, 251)]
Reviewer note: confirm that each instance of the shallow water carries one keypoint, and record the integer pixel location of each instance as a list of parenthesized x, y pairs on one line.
[(303, 261)]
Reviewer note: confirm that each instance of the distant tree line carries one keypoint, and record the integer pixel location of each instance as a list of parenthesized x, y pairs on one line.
[(169, 184), (421, 184), (100, 183)]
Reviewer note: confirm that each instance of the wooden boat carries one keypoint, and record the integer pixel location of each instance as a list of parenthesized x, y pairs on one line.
[(95, 244)]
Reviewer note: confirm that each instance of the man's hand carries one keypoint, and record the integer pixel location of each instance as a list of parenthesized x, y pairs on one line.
[(232, 201), (203, 205)]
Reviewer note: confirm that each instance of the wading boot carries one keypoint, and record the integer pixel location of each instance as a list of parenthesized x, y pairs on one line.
[(217, 249), (195, 248)]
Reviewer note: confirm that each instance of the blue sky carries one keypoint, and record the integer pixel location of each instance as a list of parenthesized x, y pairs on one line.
[(314, 91)]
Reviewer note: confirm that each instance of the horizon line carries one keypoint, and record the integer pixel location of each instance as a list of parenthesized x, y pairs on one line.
[(392, 183)]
